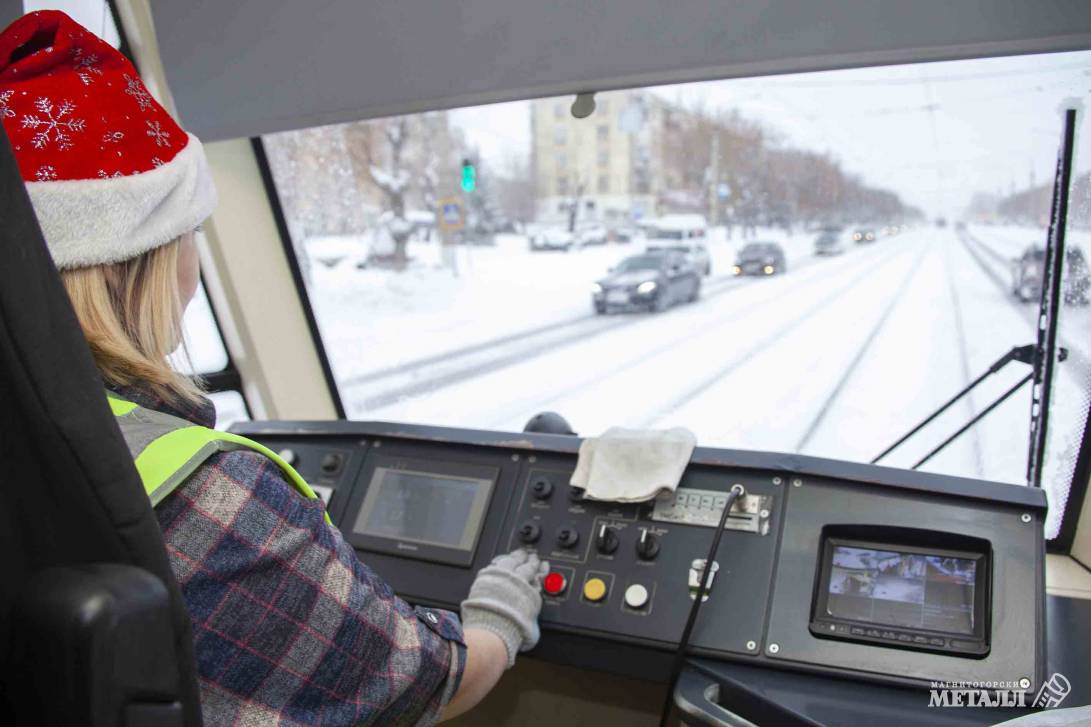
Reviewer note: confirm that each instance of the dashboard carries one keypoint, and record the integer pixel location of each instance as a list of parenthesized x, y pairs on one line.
[(825, 566)]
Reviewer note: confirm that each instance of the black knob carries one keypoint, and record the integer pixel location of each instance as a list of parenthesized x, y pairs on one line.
[(541, 488), (575, 494), (568, 536), (607, 540), (530, 532), (647, 545), (330, 463)]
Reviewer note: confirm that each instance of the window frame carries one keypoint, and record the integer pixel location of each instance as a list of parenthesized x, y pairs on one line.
[(228, 378), (257, 144), (1082, 473)]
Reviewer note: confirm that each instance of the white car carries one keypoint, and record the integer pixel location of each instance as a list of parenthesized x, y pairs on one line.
[(552, 238), (591, 235)]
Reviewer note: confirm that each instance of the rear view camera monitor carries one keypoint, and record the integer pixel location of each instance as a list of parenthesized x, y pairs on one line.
[(904, 597)]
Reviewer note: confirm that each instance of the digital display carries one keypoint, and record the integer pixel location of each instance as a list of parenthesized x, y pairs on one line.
[(424, 507), (908, 590)]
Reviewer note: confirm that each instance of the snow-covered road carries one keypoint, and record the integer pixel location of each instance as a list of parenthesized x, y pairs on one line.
[(837, 358)]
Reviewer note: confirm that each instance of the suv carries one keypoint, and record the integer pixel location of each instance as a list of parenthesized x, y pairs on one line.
[(1028, 272)]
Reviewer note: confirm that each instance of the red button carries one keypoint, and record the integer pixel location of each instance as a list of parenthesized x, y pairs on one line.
[(554, 584)]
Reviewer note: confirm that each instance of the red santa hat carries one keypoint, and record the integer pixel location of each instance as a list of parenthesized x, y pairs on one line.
[(110, 173)]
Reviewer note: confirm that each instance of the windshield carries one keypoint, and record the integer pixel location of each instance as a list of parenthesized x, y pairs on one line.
[(640, 262), (439, 301)]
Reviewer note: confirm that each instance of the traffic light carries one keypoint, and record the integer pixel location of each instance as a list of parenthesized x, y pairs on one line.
[(469, 176)]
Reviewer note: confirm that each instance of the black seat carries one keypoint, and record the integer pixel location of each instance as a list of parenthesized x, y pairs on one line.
[(93, 629)]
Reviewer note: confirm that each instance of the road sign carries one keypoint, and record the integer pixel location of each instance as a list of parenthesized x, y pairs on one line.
[(450, 214)]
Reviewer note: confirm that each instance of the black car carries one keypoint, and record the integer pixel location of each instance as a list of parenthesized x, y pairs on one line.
[(652, 281), (761, 258), (864, 236), (828, 242), (1028, 272)]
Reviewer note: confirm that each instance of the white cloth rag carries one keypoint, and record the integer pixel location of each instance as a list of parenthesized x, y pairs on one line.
[(633, 465)]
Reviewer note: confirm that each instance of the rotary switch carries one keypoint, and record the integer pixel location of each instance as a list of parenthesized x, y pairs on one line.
[(647, 545), (541, 488), (529, 533), (568, 536), (606, 541)]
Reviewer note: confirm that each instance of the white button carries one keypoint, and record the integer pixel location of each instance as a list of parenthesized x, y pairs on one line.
[(636, 596), (432, 617), (289, 456)]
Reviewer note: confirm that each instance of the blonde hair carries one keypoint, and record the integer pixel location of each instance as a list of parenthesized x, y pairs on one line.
[(131, 316)]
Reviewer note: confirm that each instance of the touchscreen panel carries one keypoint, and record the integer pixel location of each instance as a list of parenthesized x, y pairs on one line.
[(907, 590), (424, 507)]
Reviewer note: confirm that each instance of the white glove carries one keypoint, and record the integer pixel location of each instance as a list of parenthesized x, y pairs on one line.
[(505, 600)]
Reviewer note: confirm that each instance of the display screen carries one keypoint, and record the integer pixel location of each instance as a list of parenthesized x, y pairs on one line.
[(908, 590), (424, 507)]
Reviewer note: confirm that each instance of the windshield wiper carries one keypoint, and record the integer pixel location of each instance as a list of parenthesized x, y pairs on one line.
[(1024, 354)]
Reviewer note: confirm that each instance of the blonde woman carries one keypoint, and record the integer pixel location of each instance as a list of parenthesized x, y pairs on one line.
[(289, 627)]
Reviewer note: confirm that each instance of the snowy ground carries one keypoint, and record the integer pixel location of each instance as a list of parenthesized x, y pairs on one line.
[(836, 358)]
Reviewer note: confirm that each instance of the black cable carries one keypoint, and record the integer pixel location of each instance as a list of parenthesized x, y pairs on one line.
[(736, 492)]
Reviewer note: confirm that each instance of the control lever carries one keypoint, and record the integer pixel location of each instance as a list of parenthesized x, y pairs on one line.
[(699, 596), (607, 540), (647, 547)]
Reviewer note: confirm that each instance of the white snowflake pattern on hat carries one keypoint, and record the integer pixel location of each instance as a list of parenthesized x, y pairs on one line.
[(86, 65), (162, 138), (54, 127), (46, 173), (136, 89), (6, 112)]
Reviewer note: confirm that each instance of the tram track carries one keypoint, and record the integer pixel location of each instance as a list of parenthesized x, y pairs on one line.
[(603, 376), (858, 357), (766, 342), (425, 375)]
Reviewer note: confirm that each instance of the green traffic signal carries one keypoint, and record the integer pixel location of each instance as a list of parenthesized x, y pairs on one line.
[(469, 176)]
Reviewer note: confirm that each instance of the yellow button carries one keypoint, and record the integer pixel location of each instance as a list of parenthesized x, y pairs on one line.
[(594, 590)]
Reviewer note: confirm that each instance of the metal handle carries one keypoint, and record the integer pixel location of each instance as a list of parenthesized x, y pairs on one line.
[(697, 698)]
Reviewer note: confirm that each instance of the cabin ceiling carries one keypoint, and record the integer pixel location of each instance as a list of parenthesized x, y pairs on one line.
[(256, 66)]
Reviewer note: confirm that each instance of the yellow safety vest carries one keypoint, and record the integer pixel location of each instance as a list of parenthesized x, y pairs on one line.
[(168, 449)]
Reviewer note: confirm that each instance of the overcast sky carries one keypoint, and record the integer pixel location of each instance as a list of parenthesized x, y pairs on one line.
[(935, 133)]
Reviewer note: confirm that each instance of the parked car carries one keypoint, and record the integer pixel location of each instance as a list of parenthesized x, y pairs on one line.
[(686, 234), (625, 234), (1028, 272), (863, 236), (651, 281), (761, 258), (552, 238), (591, 235), (829, 242)]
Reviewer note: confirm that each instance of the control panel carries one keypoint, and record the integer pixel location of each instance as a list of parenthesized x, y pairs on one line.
[(627, 569), (823, 566)]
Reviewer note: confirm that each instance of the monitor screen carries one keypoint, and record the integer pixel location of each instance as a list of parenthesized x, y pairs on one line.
[(902, 589), (424, 507)]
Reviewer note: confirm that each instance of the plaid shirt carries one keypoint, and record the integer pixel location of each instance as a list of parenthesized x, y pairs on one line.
[(290, 628)]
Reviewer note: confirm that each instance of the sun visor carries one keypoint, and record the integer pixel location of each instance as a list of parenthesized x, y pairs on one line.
[(256, 66)]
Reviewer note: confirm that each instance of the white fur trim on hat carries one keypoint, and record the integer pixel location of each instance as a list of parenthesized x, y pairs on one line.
[(94, 221)]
